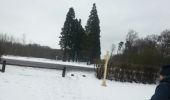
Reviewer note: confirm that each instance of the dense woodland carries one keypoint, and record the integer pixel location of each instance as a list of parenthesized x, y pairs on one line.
[(139, 59), (11, 46)]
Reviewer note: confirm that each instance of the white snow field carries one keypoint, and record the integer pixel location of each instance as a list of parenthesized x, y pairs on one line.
[(26, 83)]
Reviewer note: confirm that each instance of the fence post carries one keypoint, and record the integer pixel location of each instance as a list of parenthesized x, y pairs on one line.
[(3, 66), (64, 72)]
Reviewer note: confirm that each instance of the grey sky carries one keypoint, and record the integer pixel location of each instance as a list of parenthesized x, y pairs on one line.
[(41, 20)]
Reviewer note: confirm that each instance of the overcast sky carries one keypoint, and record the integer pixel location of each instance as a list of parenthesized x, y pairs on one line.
[(41, 20)]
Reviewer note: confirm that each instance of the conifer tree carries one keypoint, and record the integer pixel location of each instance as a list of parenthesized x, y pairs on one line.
[(93, 32), (80, 41), (77, 41), (66, 34)]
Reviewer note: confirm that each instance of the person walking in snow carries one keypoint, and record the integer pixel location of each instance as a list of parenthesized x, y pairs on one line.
[(162, 91)]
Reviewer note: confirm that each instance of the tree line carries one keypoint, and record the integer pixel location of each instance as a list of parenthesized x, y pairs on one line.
[(11, 46), (150, 50), (78, 43), (139, 59)]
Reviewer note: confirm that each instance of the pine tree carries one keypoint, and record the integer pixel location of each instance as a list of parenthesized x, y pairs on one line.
[(77, 41), (66, 34), (93, 32), (80, 43)]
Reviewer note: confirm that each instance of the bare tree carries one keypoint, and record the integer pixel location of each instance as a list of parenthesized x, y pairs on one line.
[(112, 49), (24, 39), (120, 46), (164, 42), (131, 37)]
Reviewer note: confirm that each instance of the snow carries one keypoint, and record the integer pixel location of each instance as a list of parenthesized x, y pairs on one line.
[(80, 64), (26, 83)]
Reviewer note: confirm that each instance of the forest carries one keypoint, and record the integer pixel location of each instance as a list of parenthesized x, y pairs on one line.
[(138, 59), (10, 45)]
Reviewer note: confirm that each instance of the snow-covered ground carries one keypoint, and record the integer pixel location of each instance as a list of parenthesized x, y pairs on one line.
[(47, 61), (25, 83)]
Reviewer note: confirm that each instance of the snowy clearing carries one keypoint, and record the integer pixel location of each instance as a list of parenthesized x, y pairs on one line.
[(80, 64), (25, 83)]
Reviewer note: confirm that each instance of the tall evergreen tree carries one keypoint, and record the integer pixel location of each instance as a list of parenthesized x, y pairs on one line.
[(78, 41), (93, 32), (66, 34), (82, 54)]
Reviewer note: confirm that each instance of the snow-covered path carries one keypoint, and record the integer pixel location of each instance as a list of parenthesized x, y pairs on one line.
[(50, 61), (25, 83)]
